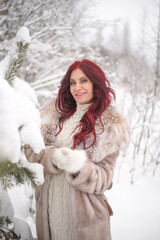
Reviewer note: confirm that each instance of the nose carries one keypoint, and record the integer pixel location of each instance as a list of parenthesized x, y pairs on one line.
[(78, 86)]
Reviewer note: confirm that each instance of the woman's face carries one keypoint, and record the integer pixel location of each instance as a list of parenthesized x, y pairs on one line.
[(81, 87)]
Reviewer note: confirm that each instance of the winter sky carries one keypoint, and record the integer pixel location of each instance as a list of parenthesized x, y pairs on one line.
[(142, 16), (128, 11)]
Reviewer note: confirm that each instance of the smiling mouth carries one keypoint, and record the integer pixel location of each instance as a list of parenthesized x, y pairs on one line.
[(79, 94)]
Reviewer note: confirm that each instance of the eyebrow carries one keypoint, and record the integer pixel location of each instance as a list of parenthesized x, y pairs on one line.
[(79, 79)]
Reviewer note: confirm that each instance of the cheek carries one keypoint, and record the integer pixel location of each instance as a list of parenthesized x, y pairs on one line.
[(71, 90), (91, 90)]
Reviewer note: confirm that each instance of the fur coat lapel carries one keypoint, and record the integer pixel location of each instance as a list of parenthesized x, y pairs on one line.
[(114, 137)]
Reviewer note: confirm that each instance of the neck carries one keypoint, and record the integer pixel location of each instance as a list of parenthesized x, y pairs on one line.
[(83, 107)]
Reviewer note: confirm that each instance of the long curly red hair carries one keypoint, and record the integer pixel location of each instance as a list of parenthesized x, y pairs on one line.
[(102, 97)]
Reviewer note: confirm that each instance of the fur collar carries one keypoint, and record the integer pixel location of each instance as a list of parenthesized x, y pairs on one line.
[(114, 137)]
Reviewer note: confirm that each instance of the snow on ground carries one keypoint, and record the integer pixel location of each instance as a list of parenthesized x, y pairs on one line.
[(136, 209)]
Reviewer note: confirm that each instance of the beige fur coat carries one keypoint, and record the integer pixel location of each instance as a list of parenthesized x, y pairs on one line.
[(90, 213)]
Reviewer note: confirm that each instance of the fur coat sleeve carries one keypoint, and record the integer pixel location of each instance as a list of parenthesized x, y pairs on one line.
[(94, 178)]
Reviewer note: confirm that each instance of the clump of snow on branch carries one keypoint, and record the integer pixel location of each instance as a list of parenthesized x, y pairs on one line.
[(6, 208), (33, 167), (19, 126), (22, 228), (23, 35), (20, 122), (19, 115)]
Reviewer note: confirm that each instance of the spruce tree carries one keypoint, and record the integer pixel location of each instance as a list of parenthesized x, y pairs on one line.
[(12, 174)]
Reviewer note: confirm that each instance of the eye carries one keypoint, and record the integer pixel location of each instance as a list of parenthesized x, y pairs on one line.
[(72, 83), (84, 80)]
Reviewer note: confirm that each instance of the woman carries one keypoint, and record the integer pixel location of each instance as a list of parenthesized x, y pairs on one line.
[(83, 134)]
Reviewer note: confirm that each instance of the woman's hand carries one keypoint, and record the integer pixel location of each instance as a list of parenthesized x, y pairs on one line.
[(70, 160)]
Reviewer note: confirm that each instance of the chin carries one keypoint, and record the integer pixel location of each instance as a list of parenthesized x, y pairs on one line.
[(83, 102)]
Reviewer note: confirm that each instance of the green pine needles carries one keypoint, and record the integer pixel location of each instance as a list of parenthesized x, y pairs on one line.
[(15, 62), (6, 229), (13, 174)]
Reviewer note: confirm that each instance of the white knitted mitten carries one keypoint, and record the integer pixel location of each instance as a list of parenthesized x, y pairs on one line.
[(70, 160)]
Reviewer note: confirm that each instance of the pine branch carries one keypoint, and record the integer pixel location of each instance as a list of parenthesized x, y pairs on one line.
[(12, 174), (16, 63), (7, 230)]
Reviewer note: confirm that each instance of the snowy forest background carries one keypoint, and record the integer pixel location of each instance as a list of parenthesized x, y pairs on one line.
[(63, 31)]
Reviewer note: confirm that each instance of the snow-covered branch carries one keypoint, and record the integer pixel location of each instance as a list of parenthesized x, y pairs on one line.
[(19, 126), (19, 115)]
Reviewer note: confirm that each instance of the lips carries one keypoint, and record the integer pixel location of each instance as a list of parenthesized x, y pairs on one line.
[(79, 94)]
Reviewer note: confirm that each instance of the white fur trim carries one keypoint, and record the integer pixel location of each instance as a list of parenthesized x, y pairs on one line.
[(70, 160)]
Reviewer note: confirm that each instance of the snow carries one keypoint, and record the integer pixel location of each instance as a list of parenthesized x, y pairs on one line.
[(23, 35), (19, 125), (136, 210), (23, 229), (20, 122), (19, 116), (20, 197), (36, 168), (6, 208), (19, 212), (9, 137), (24, 89), (21, 200)]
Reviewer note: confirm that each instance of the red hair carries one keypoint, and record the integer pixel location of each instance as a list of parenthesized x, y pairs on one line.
[(102, 97)]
